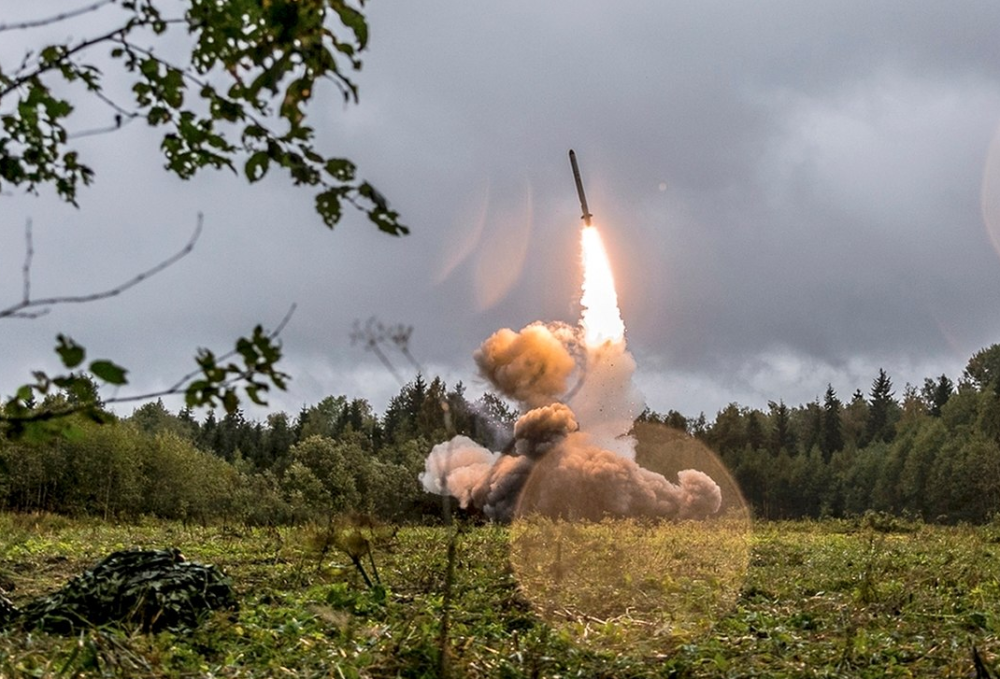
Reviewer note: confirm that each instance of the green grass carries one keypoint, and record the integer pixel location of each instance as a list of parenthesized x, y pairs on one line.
[(802, 599)]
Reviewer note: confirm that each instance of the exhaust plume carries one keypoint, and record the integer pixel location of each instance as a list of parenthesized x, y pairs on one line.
[(572, 455), (531, 366), (455, 466)]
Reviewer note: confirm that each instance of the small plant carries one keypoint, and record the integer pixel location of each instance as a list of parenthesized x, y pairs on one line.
[(884, 522), (353, 535)]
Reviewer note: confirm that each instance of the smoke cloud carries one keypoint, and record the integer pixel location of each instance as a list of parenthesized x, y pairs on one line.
[(532, 366), (455, 466), (579, 480), (571, 456)]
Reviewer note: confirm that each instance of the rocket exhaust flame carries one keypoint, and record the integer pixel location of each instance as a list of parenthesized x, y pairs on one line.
[(602, 320)]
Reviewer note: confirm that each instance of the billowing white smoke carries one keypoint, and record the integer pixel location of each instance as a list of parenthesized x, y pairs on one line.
[(607, 402), (455, 466), (571, 462)]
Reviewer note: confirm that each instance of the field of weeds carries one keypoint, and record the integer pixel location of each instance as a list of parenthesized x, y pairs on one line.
[(868, 598)]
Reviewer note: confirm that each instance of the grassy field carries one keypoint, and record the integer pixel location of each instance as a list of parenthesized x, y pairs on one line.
[(874, 598)]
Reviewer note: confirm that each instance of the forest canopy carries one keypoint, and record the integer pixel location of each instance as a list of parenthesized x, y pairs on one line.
[(931, 452)]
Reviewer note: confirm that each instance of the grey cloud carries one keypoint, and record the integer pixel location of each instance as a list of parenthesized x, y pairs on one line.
[(820, 168)]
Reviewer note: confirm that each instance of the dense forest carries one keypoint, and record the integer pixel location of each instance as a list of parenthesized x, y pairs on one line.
[(932, 452)]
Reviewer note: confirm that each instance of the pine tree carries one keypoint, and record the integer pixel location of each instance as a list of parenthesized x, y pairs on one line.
[(831, 437), (882, 411), (810, 426), (754, 431), (278, 439), (782, 436), (699, 428), (727, 435)]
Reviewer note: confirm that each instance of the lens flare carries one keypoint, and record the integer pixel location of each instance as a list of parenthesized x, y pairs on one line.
[(602, 321), (990, 194)]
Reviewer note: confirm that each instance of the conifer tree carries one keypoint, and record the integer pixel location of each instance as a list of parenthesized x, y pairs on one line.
[(882, 410), (782, 437), (831, 437)]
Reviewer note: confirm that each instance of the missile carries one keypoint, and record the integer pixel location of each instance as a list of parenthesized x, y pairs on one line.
[(579, 188)]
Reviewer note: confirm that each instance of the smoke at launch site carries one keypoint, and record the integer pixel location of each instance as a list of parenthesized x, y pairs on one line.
[(558, 465)]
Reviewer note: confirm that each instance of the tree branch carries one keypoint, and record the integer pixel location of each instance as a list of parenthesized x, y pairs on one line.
[(29, 253), (33, 308), (118, 33), (15, 83), (55, 19), (179, 387)]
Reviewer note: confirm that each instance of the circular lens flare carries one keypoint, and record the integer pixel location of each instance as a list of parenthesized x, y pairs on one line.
[(637, 585)]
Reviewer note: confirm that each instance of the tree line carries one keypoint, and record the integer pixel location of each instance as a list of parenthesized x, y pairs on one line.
[(931, 452), (335, 456)]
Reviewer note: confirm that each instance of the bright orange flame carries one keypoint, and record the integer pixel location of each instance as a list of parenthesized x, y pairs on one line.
[(602, 321)]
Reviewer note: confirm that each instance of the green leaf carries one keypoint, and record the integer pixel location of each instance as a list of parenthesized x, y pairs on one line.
[(340, 169), (24, 393), (256, 166), (328, 206), (158, 115), (230, 401), (254, 394), (109, 372), (198, 393), (150, 68), (71, 353), (354, 20)]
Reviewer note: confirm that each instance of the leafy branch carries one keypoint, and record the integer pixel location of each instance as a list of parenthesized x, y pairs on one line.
[(251, 365), (250, 63), (233, 93)]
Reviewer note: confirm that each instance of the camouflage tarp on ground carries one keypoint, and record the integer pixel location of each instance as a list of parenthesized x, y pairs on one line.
[(149, 590)]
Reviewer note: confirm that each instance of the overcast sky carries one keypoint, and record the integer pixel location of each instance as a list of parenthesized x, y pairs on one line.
[(792, 194)]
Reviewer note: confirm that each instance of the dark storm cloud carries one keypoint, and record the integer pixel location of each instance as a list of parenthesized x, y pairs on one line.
[(789, 191)]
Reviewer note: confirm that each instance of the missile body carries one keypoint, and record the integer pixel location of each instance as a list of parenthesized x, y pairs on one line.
[(579, 188)]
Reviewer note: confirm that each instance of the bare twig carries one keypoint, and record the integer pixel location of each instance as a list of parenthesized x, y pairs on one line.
[(375, 334), (399, 335), (33, 308), (123, 117), (29, 252), (56, 18), (93, 132), (121, 110), (370, 337)]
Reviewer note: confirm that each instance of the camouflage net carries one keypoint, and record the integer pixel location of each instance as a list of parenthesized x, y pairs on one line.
[(151, 590)]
